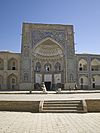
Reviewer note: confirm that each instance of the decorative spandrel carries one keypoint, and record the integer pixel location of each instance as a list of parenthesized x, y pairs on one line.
[(58, 36)]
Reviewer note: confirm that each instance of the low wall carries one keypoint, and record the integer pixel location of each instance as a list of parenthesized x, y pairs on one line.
[(31, 106), (93, 105)]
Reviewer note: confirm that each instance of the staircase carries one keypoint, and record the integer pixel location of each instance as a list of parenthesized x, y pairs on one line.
[(62, 106)]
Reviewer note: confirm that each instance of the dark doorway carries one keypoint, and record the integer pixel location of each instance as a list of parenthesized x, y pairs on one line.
[(93, 85), (48, 86), (81, 86)]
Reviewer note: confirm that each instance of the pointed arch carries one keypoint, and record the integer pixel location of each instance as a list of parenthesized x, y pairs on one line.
[(12, 82), (48, 48), (47, 67), (95, 65), (83, 82), (82, 65), (48, 39), (57, 66), (38, 67), (95, 81), (12, 64)]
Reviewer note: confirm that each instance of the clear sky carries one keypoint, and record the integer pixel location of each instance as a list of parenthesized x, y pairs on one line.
[(83, 14)]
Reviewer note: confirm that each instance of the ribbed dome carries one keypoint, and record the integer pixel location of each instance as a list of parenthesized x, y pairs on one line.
[(48, 48)]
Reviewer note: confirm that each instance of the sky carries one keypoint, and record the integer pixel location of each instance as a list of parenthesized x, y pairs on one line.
[(83, 14)]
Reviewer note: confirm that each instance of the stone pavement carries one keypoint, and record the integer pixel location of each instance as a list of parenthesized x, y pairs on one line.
[(21, 122), (39, 97)]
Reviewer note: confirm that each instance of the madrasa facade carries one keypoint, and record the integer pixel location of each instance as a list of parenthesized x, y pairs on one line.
[(48, 55)]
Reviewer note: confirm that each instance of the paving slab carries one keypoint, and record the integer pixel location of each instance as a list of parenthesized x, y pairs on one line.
[(24, 122)]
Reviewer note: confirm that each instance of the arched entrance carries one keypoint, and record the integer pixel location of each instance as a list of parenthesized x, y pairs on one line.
[(95, 65), (83, 82), (48, 61), (48, 81), (82, 65), (12, 82), (96, 81)]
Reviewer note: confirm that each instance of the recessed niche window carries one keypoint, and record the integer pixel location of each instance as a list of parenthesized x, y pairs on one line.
[(93, 79), (80, 68), (38, 67), (13, 83), (47, 67), (58, 66), (13, 68), (12, 64), (80, 64)]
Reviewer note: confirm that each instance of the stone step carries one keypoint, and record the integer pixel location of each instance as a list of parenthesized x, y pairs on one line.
[(62, 108), (63, 101), (62, 104), (62, 111)]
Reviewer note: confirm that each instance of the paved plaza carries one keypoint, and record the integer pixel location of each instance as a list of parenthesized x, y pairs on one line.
[(25, 122), (39, 97)]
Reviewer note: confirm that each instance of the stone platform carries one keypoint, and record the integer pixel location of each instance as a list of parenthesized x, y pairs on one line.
[(30, 102), (27, 122)]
